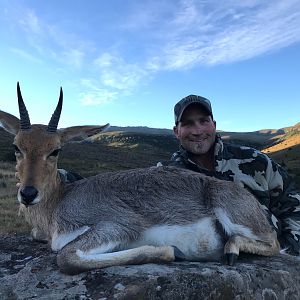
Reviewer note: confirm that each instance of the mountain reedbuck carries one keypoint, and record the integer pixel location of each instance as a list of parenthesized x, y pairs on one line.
[(157, 214)]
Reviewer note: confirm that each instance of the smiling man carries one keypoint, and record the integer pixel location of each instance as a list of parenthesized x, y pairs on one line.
[(202, 150), (196, 129)]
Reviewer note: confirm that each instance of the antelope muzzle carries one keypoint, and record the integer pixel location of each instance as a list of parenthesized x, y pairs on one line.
[(28, 194)]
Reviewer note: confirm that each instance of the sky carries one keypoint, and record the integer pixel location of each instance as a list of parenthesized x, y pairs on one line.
[(128, 62)]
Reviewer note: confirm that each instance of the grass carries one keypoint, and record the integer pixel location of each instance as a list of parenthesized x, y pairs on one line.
[(10, 221), (287, 153)]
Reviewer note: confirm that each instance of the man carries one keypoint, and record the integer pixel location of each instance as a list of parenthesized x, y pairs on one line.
[(202, 150)]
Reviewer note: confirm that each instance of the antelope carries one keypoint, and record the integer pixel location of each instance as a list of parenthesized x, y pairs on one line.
[(147, 215)]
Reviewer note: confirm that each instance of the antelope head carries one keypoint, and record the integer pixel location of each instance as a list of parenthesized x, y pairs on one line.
[(37, 149)]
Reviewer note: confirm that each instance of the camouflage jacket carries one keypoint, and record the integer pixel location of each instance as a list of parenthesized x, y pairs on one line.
[(68, 176), (268, 181)]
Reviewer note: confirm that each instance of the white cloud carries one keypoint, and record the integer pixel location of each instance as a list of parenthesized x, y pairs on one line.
[(30, 23), (73, 57), (94, 95), (106, 60), (189, 34), (26, 55), (50, 41), (215, 34), (150, 37), (118, 74), (97, 98), (171, 35), (116, 78)]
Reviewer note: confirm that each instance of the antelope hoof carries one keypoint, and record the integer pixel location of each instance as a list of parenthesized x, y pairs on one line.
[(179, 256), (231, 258)]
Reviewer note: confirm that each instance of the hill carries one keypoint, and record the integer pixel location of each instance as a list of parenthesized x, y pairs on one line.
[(286, 151), (133, 147), (140, 129), (258, 139), (108, 151)]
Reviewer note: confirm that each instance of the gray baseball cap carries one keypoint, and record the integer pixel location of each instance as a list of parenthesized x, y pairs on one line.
[(180, 107)]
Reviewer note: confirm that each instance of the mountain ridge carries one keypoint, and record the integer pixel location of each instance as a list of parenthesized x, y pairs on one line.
[(147, 129), (141, 146)]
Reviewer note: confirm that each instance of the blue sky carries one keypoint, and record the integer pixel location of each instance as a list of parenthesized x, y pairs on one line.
[(128, 62)]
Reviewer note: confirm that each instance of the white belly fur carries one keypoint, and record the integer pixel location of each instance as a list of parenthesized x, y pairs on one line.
[(198, 241)]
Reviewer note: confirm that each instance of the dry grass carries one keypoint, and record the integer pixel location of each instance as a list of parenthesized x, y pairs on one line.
[(10, 221), (284, 144), (287, 153)]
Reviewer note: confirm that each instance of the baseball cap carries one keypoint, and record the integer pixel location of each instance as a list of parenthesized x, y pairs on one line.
[(180, 107)]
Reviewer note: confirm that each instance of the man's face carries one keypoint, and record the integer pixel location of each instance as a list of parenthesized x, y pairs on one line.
[(196, 131)]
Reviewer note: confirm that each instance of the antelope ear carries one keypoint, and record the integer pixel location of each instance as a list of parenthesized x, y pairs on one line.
[(9, 122), (80, 132)]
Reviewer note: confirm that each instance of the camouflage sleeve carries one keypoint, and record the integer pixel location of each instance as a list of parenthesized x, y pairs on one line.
[(171, 163), (285, 205), (67, 176), (175, 161)]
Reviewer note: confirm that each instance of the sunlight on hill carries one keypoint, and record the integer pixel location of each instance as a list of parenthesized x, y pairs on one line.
[(287, 154), (283, 145)]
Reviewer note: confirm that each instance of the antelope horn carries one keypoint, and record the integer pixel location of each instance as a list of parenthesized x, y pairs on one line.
[(24, 117), (52, 126)]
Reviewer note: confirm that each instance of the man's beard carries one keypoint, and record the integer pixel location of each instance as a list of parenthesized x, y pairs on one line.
[(198, 146)]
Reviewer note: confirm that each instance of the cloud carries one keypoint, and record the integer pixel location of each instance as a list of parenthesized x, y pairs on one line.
[(115, 79), (26, 55), (93, 95), (50, 41), (118, 74), (31, 23), (150, 37), (169, 35), (106, 60), (73, 57), (97, 97), (189, 34), (214, 34)]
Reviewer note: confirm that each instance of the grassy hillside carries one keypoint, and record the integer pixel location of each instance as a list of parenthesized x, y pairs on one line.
[(257, 139), (92, 158), (6, 147), (121, 149), (287, 152), (106, 152)]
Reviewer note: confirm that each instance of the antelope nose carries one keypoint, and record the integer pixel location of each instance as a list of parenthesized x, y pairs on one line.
[(28, 194)]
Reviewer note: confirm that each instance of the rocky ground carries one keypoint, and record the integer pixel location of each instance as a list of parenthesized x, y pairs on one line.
[(28, 271)]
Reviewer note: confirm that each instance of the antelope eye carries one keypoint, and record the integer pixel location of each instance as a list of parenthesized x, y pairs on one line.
[(55, 152)]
